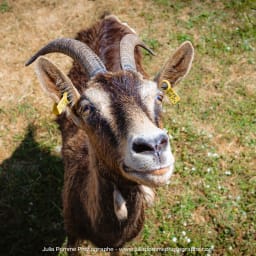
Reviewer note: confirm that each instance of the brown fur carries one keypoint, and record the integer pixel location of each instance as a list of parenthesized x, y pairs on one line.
[(87, 195), (104, 39)]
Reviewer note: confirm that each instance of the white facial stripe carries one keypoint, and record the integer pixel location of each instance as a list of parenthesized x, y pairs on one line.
[(149, 92), (142, 124), (100, 100)]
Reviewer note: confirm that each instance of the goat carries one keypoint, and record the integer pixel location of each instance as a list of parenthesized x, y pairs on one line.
[(114, 148)]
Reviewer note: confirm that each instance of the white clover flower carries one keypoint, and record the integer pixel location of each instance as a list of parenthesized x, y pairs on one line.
[(209, 169), (213, 155), (174, 239), (228, 173), (209, 154), (210, 135), (188, 240), (183, 233)]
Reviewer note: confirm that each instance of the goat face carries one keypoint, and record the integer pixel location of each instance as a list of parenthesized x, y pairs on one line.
[(121, 113)]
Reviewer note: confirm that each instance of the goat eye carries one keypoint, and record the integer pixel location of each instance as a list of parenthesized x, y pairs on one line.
[(159, 98), (86, 108)]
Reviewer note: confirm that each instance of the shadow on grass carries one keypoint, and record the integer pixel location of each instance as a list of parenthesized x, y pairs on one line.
[(30, 200)]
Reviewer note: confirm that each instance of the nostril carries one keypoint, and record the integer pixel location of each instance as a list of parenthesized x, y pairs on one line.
[(163, 142), (142, 146), (151, 145)]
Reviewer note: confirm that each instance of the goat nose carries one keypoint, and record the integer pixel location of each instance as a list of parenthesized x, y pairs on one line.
[(142, 144)]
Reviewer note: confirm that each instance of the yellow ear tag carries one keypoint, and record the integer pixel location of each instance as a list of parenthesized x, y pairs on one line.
[(172, 95), (59, 108)]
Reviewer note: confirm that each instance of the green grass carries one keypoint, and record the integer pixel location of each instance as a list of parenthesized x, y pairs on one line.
[(4, 7), (211, 199), (210, 202)]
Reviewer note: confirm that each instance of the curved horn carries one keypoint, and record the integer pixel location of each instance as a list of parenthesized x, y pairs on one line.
[(127, 46), (75, 49)]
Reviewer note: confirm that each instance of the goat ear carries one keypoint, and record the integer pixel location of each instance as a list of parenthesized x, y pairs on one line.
[(178, 65), (54, 82)]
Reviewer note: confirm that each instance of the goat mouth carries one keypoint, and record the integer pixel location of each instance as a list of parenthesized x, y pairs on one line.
[(151, 178), (155, 172)]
